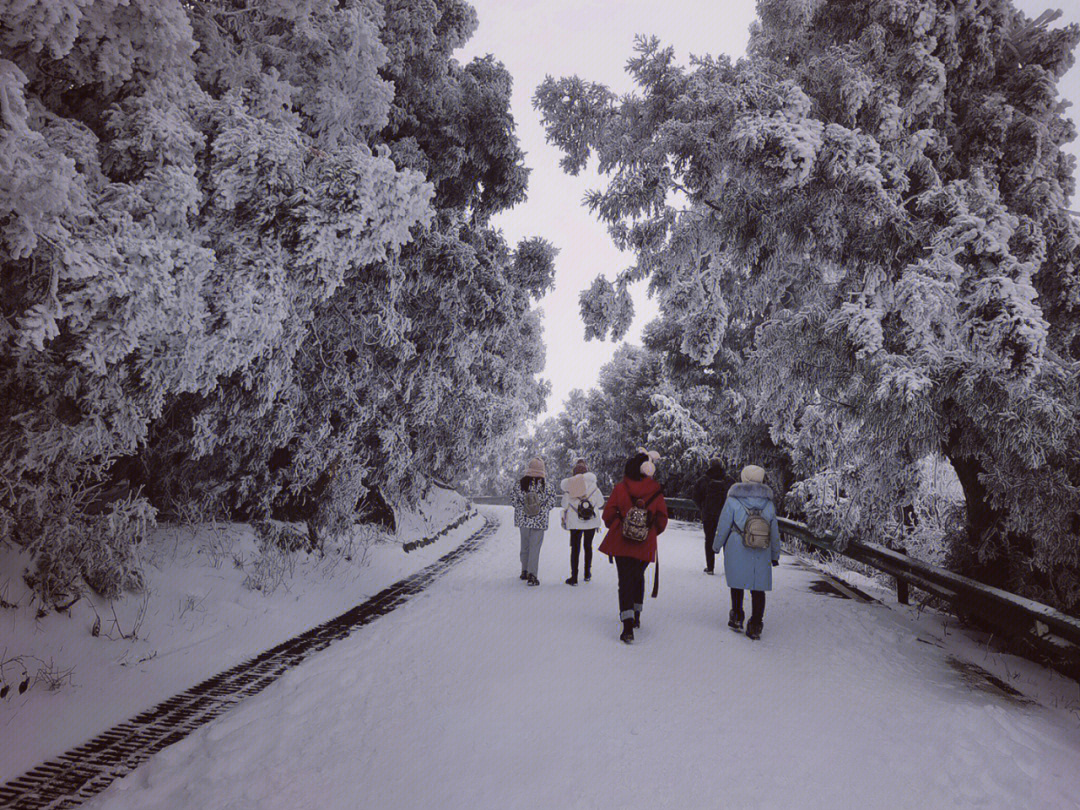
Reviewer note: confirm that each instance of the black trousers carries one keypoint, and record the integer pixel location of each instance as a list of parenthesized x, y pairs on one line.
[(757, 603), (631, 585), (576, 538), (708, 523)]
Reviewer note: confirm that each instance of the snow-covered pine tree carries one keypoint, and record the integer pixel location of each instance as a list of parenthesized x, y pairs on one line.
[(680, 438), (574, 435), (191, 197), (633, 404), (880, 188), (168, 225), (603, 426), (619, 409), (415, 363)]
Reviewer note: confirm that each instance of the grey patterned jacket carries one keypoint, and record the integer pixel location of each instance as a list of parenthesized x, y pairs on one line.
[(552, 498)]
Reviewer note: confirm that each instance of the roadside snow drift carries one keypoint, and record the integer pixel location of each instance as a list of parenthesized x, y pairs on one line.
[(213, 599)]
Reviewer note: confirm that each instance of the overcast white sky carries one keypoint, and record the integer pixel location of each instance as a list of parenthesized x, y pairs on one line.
[(594, 39)]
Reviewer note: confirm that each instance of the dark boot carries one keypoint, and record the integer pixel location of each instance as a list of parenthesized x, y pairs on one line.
[(572, 579), (753, 629), (524, 574), (588, 576), (627, 631), (533, 580), (735, 619), (637, 619)]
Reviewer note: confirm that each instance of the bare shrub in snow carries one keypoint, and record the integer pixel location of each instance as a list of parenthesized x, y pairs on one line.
[(52, 677), (188, 604), (288, 537), (115, 628), (20, 673), (73, 547), (13, 673), (217, 543), (4, 603), (270, 570)]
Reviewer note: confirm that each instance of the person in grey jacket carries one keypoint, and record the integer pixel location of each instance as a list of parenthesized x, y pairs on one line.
[(533, 499), (745, 567)]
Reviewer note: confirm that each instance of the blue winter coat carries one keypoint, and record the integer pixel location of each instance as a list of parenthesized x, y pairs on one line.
[(747, 568)]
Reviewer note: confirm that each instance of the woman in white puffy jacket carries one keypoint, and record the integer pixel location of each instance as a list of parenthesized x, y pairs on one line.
[(582, 504)]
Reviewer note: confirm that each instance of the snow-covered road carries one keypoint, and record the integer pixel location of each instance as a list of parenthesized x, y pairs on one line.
[(484, 693)]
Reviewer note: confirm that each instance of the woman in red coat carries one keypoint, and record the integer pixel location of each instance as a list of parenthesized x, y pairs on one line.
[(631, 559)]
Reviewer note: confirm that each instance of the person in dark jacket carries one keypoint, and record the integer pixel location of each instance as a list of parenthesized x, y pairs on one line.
[(631, 559), (710, 491), (748, 568)]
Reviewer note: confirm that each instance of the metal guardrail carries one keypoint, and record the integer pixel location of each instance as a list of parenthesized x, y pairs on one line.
[(1053, 634), (682, 509)]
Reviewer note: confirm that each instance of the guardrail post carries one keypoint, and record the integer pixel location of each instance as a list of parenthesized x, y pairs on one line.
[(901, 591)]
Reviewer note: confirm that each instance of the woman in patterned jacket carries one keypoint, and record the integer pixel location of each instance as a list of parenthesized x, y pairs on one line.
[(533, 499)]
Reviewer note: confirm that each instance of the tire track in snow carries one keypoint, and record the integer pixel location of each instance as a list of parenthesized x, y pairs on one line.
[(86, 770)]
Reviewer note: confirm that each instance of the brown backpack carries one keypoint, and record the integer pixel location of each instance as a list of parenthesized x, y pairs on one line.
[(639, 520), (756, 532)]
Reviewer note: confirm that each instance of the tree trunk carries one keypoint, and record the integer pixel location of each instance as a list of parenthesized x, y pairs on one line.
[(985, 525)]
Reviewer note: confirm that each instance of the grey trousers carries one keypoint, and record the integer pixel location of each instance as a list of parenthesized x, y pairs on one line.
[(531, 540)]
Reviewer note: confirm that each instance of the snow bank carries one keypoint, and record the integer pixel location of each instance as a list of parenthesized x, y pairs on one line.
[(199, 615)]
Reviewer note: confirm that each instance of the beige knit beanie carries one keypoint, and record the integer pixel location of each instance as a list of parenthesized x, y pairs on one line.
[(536, 469), (753, 474)]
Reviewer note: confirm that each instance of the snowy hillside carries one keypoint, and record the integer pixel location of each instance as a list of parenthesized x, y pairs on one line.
[(212, 599)]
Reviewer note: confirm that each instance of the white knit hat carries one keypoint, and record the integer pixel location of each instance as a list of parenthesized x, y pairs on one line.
[(753, 474)]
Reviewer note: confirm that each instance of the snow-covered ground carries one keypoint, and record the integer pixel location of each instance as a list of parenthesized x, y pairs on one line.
[(200, 615), (484, 693)]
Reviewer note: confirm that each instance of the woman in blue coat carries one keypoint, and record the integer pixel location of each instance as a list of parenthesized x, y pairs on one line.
[(745, 567)]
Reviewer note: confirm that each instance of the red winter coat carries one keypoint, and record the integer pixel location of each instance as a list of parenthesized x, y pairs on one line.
[(619, 504)]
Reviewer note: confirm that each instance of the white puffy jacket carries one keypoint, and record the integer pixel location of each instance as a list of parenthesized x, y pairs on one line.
[(584, 483)]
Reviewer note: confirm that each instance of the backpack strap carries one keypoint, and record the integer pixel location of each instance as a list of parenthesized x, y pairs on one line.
[(644, 506), (749, 514), (586, 497), (652, 497)]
